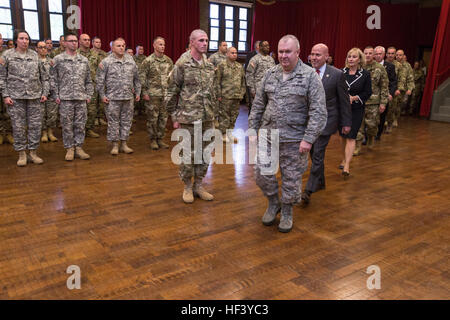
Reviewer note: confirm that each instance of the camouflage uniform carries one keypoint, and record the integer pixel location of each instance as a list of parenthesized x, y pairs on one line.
[(49, 108), (380, 95), (56, 52), (217, 58), (419, 85), (94, 60), (5, 121), (256, 69), (296, 107), (231, 88), (139, 106), (25, 81), (118, 80), (409, 85), (71, 82), (402, 86), (194, 85), (154, 75), (100, 105)]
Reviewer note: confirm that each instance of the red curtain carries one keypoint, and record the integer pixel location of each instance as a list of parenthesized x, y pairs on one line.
[(340, 24), (140, 21), (439, 68)]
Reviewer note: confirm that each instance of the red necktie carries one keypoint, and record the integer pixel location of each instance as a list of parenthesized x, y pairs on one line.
[(318, 72)]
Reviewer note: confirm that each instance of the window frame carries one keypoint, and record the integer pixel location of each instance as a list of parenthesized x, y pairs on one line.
[(10, 8), (236, 24)]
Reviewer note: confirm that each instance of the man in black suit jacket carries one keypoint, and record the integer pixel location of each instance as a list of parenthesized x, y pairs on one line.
[(339, 115), (380, 53)]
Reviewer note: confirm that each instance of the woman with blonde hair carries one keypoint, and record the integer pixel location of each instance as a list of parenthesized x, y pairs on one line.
[(359, 89)]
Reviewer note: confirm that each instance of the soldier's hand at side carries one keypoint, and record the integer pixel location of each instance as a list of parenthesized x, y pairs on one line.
[(305, 147), (220, 99), (8, 101), (146, 97), (43, 99), (138, 98), (382, 108), (346, 130), (176, 125), (390, 98), (397, 93), (88, 101), (409, 92), (253, 139), (58, 101), (105, 100)]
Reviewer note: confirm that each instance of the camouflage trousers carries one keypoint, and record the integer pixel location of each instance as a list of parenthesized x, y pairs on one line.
[(92, 111), (228, 113), (156, 118), (26, 115), (395, 108), (414, 103), (73, 121), (192, 170), (120, 118), (49, 114), (293, 165), (5, 120), (100, 107), (370, 122)]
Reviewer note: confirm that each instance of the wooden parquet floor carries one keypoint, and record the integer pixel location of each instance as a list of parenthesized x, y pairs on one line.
[(123, 222)]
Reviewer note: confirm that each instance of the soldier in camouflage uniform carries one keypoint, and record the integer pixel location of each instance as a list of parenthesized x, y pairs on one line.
[(139, 58), (409, 82), (72, 87), (154, 75), (97, 48), (49, 108), (419, 85), (231, 89), (49, 46), (60, 49), (5, 121), (118, 86), (257, 67), (220, 55), (376, 103), (192, 85), (25, 85), (94, 60), (290, 99)]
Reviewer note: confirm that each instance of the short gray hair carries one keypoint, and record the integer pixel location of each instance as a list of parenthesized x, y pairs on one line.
[(194, 33), (380, 48), (290, 37)]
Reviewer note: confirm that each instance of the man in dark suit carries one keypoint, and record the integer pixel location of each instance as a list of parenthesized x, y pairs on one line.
[(339, 115), (380, 53)]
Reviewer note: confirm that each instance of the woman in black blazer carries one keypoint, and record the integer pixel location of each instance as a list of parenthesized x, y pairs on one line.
[(359, 89)]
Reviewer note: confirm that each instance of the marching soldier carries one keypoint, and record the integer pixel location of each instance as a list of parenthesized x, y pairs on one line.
[(220, 55)]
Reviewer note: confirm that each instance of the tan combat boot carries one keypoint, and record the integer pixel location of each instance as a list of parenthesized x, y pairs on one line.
[(115, 149), (51, 136), (357, 148), (162, 145), (22, 159), (10, 138), (70, 154), (79, 152), (154, 145), (34, 158), (395, 124), (125, 148), (44, 138), (92, 134), (188, 196), (102, 122), (370, 142), (201, 193)]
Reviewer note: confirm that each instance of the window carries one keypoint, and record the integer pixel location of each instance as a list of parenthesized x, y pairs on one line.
[(6, 25), (229, 22), (56, 17), (31, 18)]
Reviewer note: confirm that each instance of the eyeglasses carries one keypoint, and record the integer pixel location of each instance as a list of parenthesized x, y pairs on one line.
[(41, 47), (71, 41)]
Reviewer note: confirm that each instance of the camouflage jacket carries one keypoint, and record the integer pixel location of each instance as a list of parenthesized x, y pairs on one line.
[(118, 79), (296, 106), (70, 78), (256, 69), (23, 77), (101, 54), (139, 60), (93, 59), (409, 76), (217, 58), (192, 85), (230, 79), (419, 80), (401, 72), (154, 75), (56, 52), (380, 84)]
